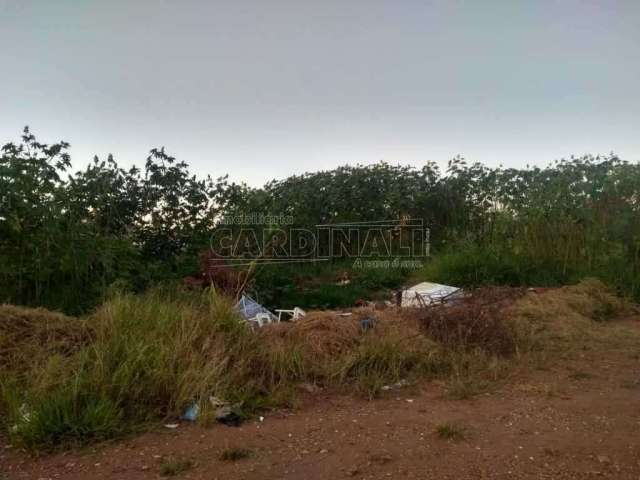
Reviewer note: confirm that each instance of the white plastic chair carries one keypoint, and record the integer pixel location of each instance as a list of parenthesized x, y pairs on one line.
[(295, 314), (262, 319)]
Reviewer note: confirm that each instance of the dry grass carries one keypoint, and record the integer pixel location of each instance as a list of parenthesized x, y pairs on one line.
[(321, 334), (141, 358), (334, 350), (234, 454), (450, 431), (175, 466), (569, 319), (36, 344), (473, 322)]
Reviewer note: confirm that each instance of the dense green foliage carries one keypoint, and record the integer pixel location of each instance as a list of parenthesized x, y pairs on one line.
[(68, 238)]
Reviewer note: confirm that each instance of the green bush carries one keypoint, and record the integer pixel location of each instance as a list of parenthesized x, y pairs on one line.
[(316, 286), (65, 417), (473, 265)]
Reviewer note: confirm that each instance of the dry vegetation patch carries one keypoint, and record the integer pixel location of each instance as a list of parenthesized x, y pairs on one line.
[(571, 318), (475, 321), (322, 335), (147, 357), (33, 338)]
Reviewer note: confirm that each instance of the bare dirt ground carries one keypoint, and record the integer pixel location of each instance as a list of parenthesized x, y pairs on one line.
[(577, 419)]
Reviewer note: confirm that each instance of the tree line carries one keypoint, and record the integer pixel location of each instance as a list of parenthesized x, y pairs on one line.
[(67, 238)]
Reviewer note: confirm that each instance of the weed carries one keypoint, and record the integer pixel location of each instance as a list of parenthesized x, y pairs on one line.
[(580, 376), (473, 322), (472, 373), (175, 466), (551, 391), (464, 388), (150, 356), (64, 417), (382, 359), (631, 384), (450, 431), (234, 454)]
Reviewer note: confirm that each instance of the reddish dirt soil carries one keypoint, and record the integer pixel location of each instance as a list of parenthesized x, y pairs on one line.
[(577, 420)]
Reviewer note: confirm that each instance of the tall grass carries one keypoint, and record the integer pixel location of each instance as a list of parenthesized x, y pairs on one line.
[(142, 358), (536, 255), (152, 355)]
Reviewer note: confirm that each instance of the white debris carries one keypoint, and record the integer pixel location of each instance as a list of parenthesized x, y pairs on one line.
[(427, 293), (252, 311), (294, 314)]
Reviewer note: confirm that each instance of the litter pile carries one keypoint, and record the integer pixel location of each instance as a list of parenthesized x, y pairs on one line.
[(259, 316), (252, 311), (444, 313), (223, 412)]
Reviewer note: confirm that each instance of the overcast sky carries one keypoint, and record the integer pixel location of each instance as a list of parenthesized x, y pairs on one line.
[(264, 89)]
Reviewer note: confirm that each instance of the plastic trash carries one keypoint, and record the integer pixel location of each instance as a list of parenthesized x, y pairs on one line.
[(367, 323), (192, 412), (395, 386), (230, 415)]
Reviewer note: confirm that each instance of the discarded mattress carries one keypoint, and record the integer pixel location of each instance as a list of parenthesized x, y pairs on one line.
[(427, 293)]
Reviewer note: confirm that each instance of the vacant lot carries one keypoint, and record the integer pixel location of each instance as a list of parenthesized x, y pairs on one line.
[(578, 418), (538, 384)]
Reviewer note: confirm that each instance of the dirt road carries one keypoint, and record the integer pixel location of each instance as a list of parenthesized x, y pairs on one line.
[(579, 419)]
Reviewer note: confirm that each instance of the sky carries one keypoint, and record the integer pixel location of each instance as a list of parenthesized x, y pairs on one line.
[(266, 89)]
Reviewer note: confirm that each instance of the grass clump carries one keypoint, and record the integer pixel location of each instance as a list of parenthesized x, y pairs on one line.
[(65, 417), (326, 349), (631, 384), (379, 361), (450, 431), (175, 466), (36, 341), (464, 388), (474, 372), (569, 319), (234, 454)]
